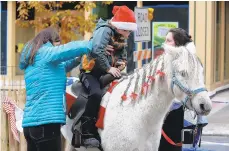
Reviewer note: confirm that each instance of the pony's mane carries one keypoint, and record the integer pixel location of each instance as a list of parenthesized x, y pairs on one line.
[(143, 77)]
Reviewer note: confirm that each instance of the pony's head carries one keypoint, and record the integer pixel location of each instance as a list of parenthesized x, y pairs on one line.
[(186, 78)]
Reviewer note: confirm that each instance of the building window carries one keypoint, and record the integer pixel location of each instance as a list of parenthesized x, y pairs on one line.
[(20, 42), (3, 51), (226, 50)]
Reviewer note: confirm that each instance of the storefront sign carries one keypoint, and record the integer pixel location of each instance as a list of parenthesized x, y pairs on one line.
[(160, 29)]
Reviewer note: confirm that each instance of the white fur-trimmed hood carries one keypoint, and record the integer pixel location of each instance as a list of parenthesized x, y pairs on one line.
[(189, 46)]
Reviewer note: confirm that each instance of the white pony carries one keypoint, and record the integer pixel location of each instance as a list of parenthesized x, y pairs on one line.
[(133, 118), (134, 122)]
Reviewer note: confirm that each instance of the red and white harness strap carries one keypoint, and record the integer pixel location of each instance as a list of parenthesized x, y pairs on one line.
[(103, 105)]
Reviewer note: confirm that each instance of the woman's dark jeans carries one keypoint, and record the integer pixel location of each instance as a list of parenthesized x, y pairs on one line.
[(172, 126), (43, 138)]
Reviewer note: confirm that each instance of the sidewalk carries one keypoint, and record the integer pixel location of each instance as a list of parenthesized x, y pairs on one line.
[(219, 117)]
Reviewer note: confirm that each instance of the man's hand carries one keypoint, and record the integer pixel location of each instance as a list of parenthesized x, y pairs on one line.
[(109, 49), (115, 72)]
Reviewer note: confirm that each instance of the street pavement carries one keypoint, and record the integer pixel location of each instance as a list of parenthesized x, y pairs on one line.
[(215, 143), (216, 133), (219, 116)]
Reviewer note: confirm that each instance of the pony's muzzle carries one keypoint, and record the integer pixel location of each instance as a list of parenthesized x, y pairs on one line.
[(205, 105), (205, 109)]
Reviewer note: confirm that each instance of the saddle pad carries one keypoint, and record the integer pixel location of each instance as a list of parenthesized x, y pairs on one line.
[(70, 97), (103, 105)]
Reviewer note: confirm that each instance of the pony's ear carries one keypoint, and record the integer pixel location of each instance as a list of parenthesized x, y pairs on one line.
[(191, 47)]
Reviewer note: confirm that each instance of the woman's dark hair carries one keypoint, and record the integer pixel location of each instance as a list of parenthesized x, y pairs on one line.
[(46, 35), (180, 36)]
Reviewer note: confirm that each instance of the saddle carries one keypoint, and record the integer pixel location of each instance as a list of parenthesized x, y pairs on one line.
[(78, 106), (76, 109)]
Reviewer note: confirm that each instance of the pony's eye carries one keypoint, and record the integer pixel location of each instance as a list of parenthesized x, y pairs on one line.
[(183, 73)]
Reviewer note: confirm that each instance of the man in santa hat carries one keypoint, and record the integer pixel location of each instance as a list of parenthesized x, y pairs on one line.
[(98, 63)]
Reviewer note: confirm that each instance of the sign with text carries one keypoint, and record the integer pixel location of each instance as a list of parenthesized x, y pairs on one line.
[(143, 25), (160, 30)]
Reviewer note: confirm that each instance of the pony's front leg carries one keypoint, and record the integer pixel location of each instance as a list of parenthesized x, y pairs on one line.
[(153, 141)]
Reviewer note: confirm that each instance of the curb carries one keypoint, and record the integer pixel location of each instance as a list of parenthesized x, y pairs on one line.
[(218, 90)]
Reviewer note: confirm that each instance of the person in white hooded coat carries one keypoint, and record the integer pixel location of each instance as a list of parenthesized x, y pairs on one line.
[(177, 119)]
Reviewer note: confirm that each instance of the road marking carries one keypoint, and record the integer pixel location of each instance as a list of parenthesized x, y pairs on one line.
[(214, 143)]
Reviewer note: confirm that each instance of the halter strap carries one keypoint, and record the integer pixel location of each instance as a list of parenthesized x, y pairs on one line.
[(190, 93)]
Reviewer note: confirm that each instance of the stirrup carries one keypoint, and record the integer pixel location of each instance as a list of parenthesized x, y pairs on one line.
[(87, 118)]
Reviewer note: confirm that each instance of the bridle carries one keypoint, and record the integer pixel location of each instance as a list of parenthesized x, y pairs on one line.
[(190, 93)]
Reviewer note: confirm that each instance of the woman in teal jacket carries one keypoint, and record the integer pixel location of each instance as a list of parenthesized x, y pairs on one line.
[(45, 66)]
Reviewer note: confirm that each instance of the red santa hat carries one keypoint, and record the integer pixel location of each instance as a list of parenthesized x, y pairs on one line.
[(124, 18)]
